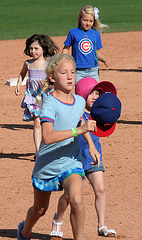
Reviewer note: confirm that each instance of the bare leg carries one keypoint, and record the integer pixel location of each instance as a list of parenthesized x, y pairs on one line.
[(73, 186), (37, 133), (41, 203), (62, 206), (97, 182)]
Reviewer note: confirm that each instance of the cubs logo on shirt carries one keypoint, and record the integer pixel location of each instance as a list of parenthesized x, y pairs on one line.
[(85, 46)]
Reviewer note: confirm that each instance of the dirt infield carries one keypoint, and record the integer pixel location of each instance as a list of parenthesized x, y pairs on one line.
[(122, 151)]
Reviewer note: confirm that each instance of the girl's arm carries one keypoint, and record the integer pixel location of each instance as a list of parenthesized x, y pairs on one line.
[(92, 149), (101, 58), (20, 78), (50, 136), (65, 49)]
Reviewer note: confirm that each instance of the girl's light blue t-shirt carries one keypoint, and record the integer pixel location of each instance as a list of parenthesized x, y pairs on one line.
[(53, 159)]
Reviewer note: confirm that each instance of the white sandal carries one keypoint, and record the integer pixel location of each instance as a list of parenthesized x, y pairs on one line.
[(56, 233), (107, 232)]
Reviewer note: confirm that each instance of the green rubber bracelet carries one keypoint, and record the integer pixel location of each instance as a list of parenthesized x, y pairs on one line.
[(74, 132)]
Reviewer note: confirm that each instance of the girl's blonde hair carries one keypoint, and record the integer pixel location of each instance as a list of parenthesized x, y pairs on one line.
[(51, 68), (90, 10)]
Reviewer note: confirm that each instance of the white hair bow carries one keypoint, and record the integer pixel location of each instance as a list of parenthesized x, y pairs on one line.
[(96, 10)]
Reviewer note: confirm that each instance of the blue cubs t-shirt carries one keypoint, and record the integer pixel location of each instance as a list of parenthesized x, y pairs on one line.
[(84, 46)]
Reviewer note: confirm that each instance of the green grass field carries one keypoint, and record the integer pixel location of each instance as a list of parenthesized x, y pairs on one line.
[(22, 18)]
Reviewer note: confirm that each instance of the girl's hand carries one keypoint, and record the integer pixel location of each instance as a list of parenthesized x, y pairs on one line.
[(101, 58), (88, 126), (95, 155), (66, 49), (17, 90), (105, 62)]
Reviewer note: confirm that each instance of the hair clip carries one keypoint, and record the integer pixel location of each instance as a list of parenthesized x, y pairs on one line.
[(96, 10)]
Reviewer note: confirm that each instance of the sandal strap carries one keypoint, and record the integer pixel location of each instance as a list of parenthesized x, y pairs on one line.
[(113, 232), (103, 227), (56, 233), (57, 223)]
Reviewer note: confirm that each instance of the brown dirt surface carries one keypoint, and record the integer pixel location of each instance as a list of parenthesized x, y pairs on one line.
[(122, 152)]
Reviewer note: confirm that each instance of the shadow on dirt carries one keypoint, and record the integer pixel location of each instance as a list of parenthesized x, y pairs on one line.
[(16, 126), (12, 233), (123, 70), (130, 122), (19, 156)]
